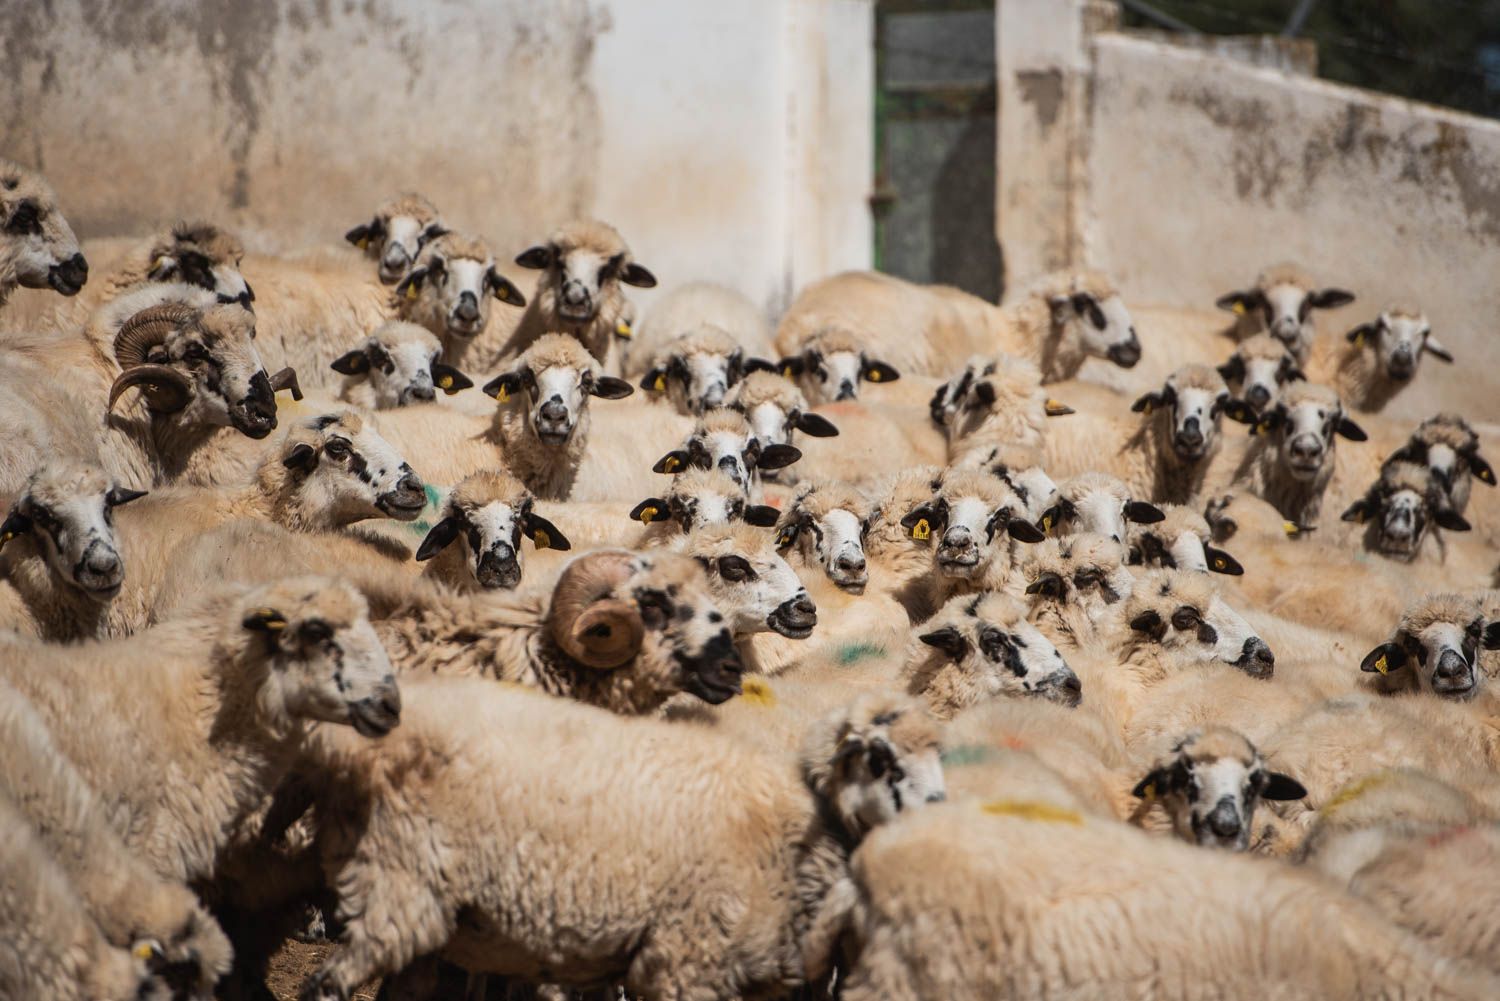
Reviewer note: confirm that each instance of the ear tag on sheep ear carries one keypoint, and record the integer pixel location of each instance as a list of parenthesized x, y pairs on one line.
[(782, 541), (364, 243), (1359, 339), (1381, 665), (757, 692), (542, 539), (502, 396), (411, 291), (622, 329), (445, 382), (786, 370), (1149, 793), (1486, 475), (1238, 308), (269, 619), (144, 951), (921, 530), (1047, 523), (1147, 407), (6, 537), (647, 515), (660, 384), (1219, 563), (671, 464), (502, 293), (1056, 408), (1291, 529), (1264, 427), (874, 375)]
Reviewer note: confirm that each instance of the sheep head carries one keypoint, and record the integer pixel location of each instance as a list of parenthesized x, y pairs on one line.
[(201, 254), (341, 471), (1258, 369), (722, 439), (449, 287), (488, 514), (40, 248), (700, 497), (1436, 647), (1088, 308), (1400, 508), (1281, 302), (827, 522), (555, 377), (832, 364), (402, 363), (751, 582), (1192, 403), (66, 509), (584, 264), (1182, 613), (395, 235), (1398, 338)]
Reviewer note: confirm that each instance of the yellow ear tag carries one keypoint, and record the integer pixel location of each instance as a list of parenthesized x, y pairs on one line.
[(1044, 812), (1046, 523), (364, 243), (1219, 563), (784, 539), (757, 692), (445, 381), (6, 537), (1359, 339), (622, 329), (1056, 408), (542, 539), (502, 396), (411, 291), (1486, 476), (921, 530), (1149, 793), (157, 263), (1289, 528), (874, 376), (672, 464), (143, 951), (647, 514), (660, 383), (502, 293), (787, 371), (1148, 408), (1264, 427), (1381, 665), (273, 618), (1238, 308)]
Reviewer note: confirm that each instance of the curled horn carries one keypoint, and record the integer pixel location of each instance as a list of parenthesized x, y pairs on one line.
[(148, 328), (167, 390), (595, 630)]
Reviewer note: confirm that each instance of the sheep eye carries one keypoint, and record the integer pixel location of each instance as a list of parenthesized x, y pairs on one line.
[(336, 447), (26, 220), (196, 352), (735, 569), (1184, 618), (316, 631)]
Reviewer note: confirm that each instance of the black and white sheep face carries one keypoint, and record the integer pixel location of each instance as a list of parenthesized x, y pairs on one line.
[(696, 382), (1304, 435), (737, 453), (758, 591), (347, 472), (491, 535), (1100, 511), (181, 263), (970, 530), (1094, 587), (68, 515), (835, 542), (557, 396), (1207, 632), (1033, 486), (1103, 326), (1453, 469), (1398, 516), (689, 632), (37, 246), (1444, 654), (579, 278), (876, 778), (1006, 658), (1211, 796), (457, 291), (1259, 379), (229, 385), (395, 241), (829, 376), (325, 664), (1399, 340), (1285, 311), (402, 371), (1194, 414), (1186, 550)]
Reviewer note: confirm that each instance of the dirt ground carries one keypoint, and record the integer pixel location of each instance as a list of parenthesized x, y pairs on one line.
[(295, 962)]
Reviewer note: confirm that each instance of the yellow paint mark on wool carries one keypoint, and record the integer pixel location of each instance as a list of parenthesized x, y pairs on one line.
[(758, 692), (1027, 810), (1353, 791)]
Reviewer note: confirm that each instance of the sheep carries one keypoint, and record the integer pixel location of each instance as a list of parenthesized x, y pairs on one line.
[(395, 366), (134, 908), (1097, 503), (395, 235), (60, 556), (776, 408), (831, 363), (220, 699), (487, 514), (1258, 369), (697, 497), (1281, 303), (37, 246), (1291, 461), (695, 369), (692, 306), (1435, 649), (993, 402), (763, 854), (1019, 467), (982, 647), (583, 265), (1181, 539), (1059, 323), (1179, 615), (53, 948), (1209, 785), (723, 439), (1448, 446), (625, 631), (1378, 359), (1402, 511), (1073, 586), (448, 291), (993, 900), (825, 525)]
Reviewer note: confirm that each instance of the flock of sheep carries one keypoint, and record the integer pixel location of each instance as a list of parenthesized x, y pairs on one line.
[(918, 648)]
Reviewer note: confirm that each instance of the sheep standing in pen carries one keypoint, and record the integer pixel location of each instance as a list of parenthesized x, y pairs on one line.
[(1281, 303), (1402, 512), (695, 369), (477, 542), (1449, 447), (37, 246), (448, 291), (736, 888), (694, 306), (397, 365), (989, 899), (1257, 370), (830, 364), (1378, 359), (583, 265), (396, 233)]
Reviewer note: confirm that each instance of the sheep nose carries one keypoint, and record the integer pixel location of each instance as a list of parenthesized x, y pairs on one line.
[(554, 409), (730, 465), (713, 396), (851, 564), (1258, 396), (1072, 684), (1451, 665), (395, 257), (424, 393), (467, 309), (1225, 819), (103, 561), (574, 294), (936, 796), (805, 605), (1307, 447), (1190, 436), (846, 390), (1256, 658)]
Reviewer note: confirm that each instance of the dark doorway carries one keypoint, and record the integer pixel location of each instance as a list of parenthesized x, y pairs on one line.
[(934, 201)]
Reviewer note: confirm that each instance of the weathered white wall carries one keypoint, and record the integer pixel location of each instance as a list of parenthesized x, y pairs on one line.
[(728, 139)]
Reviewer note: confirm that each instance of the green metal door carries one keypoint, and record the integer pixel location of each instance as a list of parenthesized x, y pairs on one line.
[(934, 201)]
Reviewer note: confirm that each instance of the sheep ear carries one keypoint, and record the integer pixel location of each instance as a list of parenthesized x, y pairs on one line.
[(607, 387), (1024, 531), (1384, 659), (503, 288), (1240, 412), (919, 522), (353, 363), (1289, 372), (1451, 520), (360, 235), (1330, 298), (544, 534), (120, 495), (792, 366), (1051, 517), (1142, 513), (674, 461), (502, 386), (264, 620), (1432, 347), (1481, 469), (1232, 370), (1048, 585), (536, 258), (947, 639), (878, 371), (1239, 303), (1351, 430), (1282, 787), (16, 524), (759, 365), (1360, 511), (1148, 622), (1221, 562), (1055, 408), (411, 284), (762, 516), (1360, 333), (1157, 782), (1146, 403), (438, 538), (986, 392), (1492, 636), (303, 458), (638, 275), (778, 456), (432, 232), (648, 510), (655, 380), (816, 425), (1268, 421), (449, 379)]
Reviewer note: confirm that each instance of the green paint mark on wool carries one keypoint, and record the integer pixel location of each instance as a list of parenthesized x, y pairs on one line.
[(967, 754), (853, 653)]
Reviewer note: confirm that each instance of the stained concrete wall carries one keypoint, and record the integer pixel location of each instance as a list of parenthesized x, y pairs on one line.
[(727, 140)]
